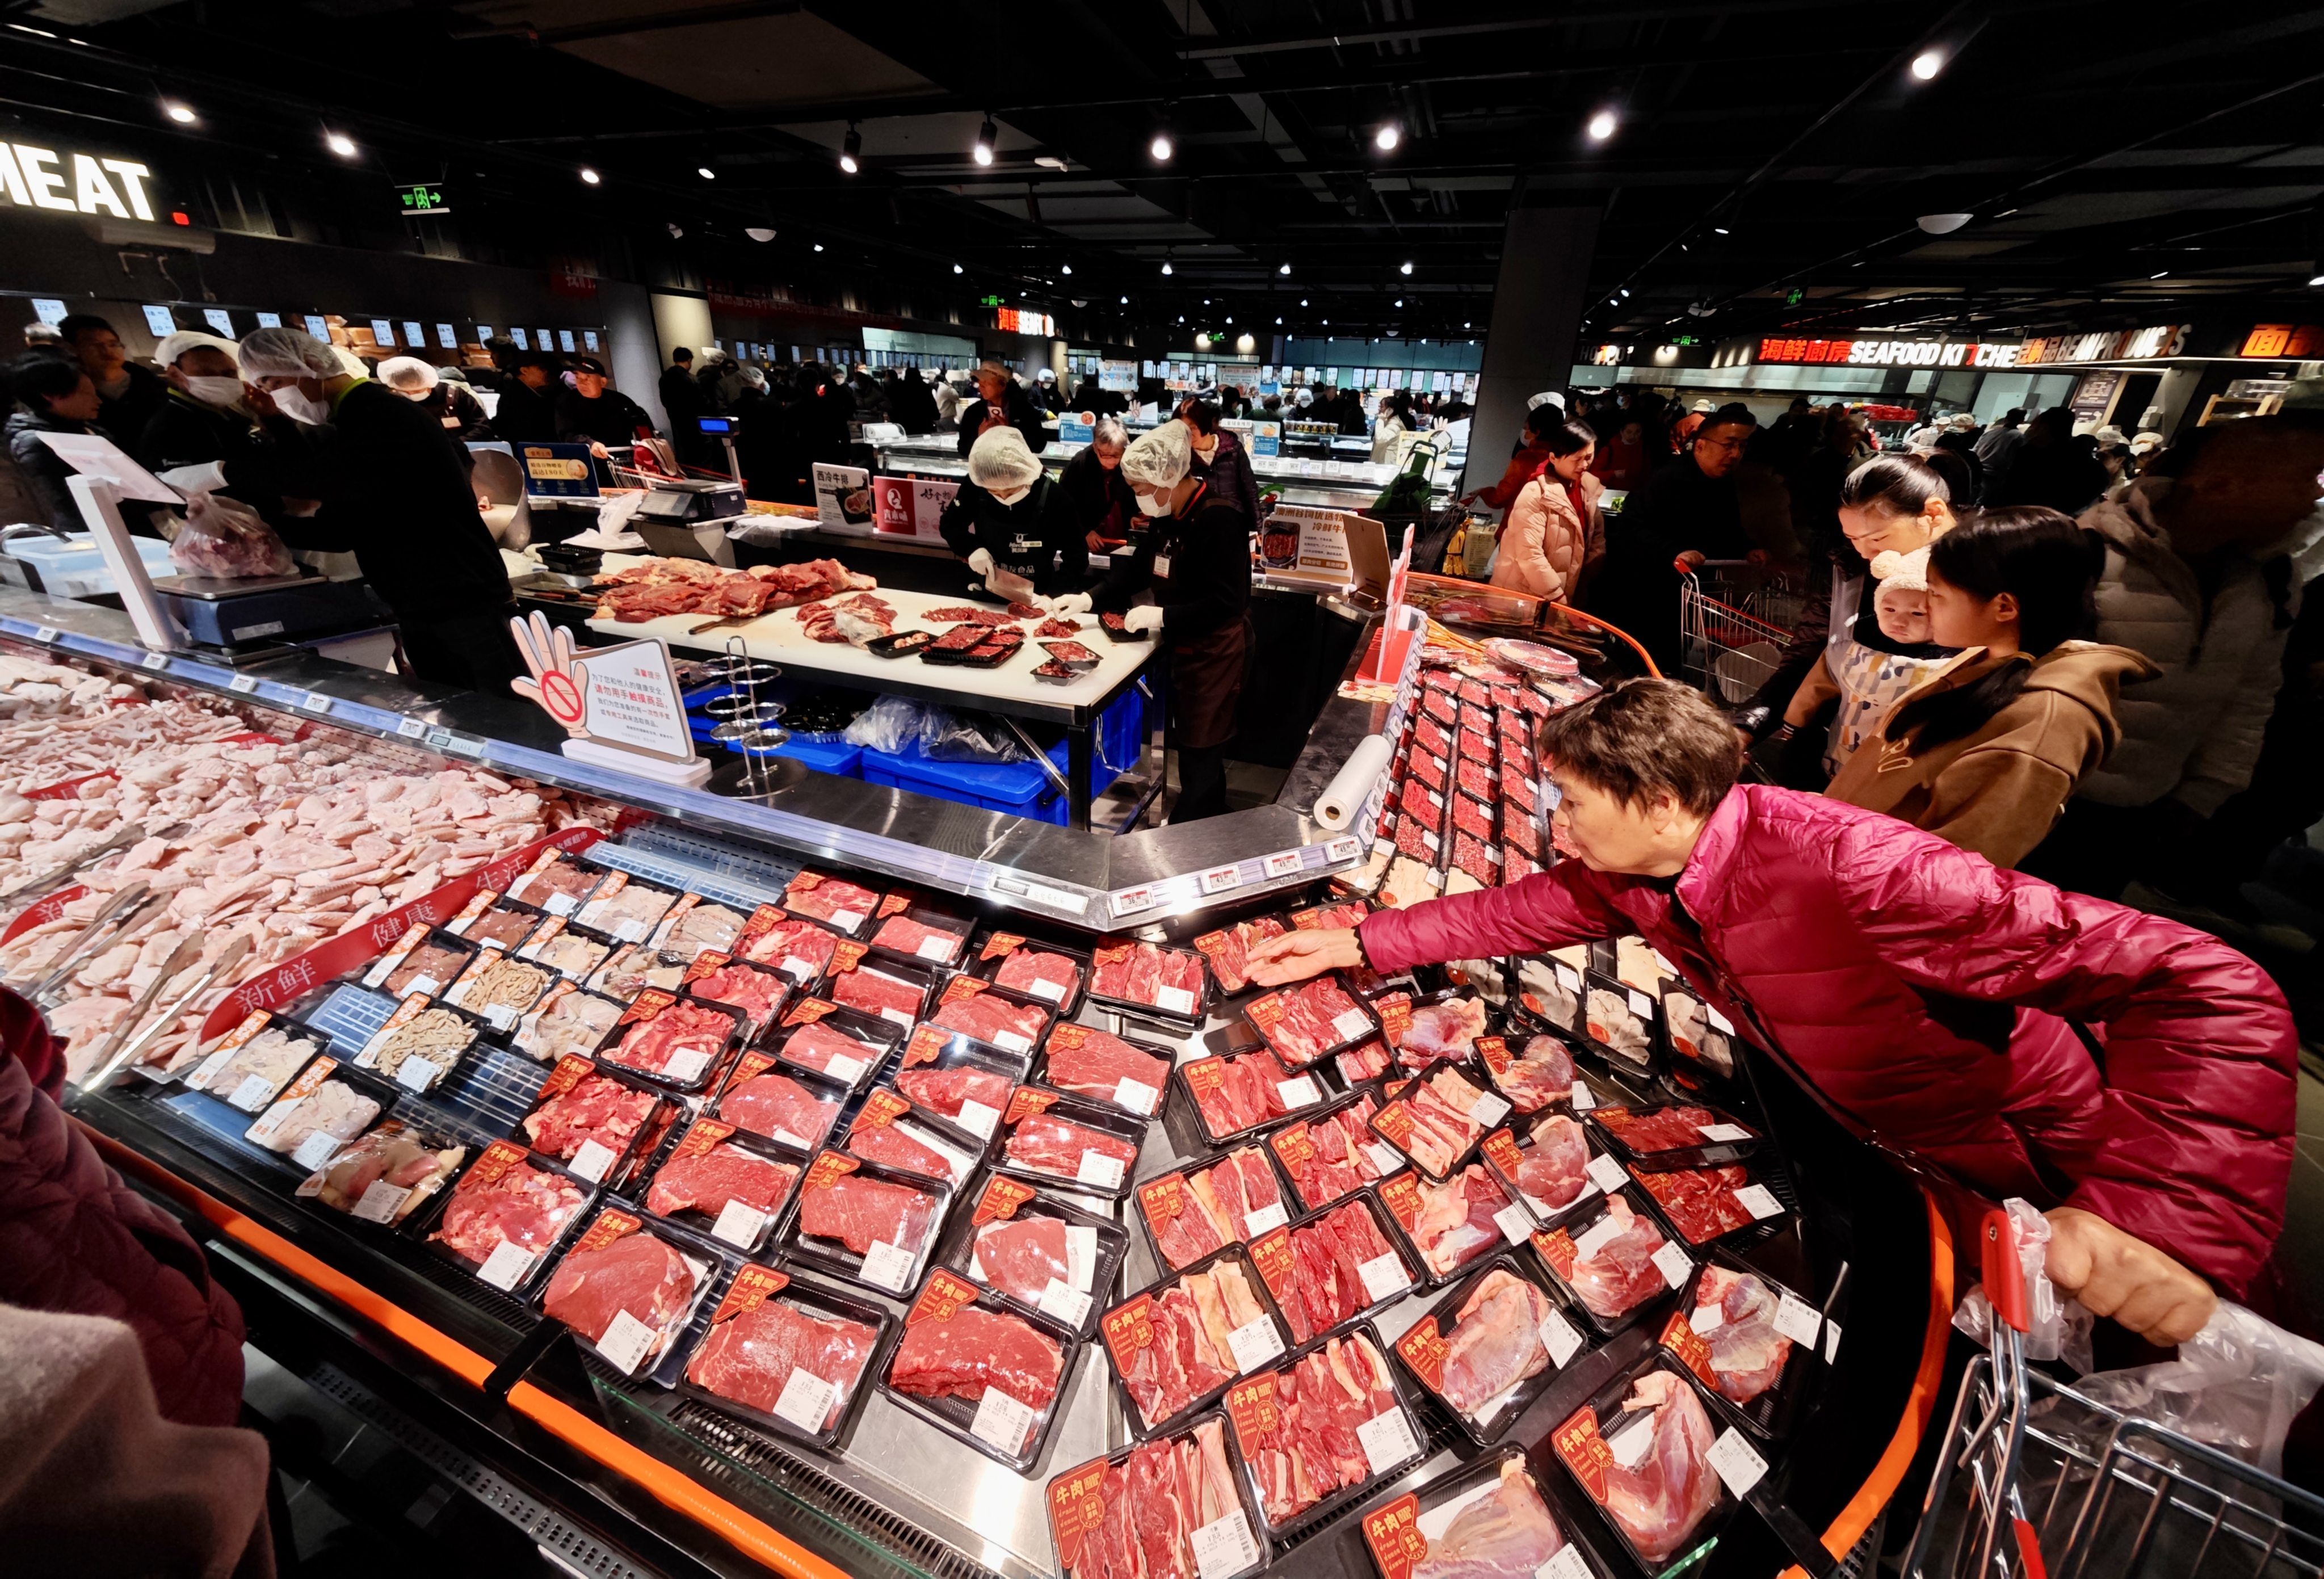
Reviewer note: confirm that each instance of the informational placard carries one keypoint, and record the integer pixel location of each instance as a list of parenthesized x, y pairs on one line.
[(558, 471), (1322, 550), (843, 498), (1072, 430), (618, 703), (910, 506)]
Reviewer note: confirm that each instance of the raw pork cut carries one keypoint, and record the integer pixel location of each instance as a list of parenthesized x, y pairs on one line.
[(1658, 1503), (1313, 1450), (1506, 1534), (1327, 1288), (671, 1041), (749, 1358), (829, 899), (1448, 1029), (1190, 1355), (779, 1107), (1141, 972), (1305, 1022), (1495, 1341), (943, 1091), (726, 1172), (976, 1349), (1048, 1144), (787, 941), (1242, 1092), (1551, 1170), (1620, 1274), (597, 1108), (1097, 1066), (1451, 1224), (394, 1155), (1216, 1203), (636, 1272), (756, 993), (901, 935), (1229, 950), (1541, 1073), (526, 1206), (1339, 1161), (1053, 978), (1155, 1499), (1701, 1202), (816, 1044), (1666, 1128), (858, 1211), (876, 993), (992, 1019), (1021, 1256), (1747, 1353)]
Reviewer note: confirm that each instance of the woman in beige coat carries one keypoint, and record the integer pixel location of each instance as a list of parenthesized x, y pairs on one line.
[(1554, 535)]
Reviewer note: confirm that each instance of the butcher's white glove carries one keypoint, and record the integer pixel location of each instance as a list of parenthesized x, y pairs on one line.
[(1071, 602), (1146, 616), (979, 562)]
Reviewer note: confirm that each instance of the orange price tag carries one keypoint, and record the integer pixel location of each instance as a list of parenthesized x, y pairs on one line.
[(1423, 1349), (1393, 1532), (1501, 1146), (704, 962), (762, 921), (751, 1066), (995, 946), (752, 1286), (1205, 1076), (882, 1107), (827, 1169), (961, 987), (1394, 1122), (609, 1227), (650, 1003), (807, 882), (927, 1043), (1270, 1253), (1116, 952), (1265, 1013), (1250, 1404), (496, 1160), (1584, 1451), (890, 905), (1163, 1198), (944, 1294), (1401, 1196), (1070, 1036), (1395, 1017), (1681, 1340), (1001, 1200), (565, 1077), (807, 1010), (1129, 1327), (1496, 1053), (847, 956), (1295, 1146), (1024, 1103), (699, 1140), (1076, 1507), (1557, 1248)]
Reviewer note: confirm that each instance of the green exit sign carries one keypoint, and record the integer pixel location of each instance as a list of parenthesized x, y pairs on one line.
[(1684, 340), (422, 197), (1796, 297), (990, 301)]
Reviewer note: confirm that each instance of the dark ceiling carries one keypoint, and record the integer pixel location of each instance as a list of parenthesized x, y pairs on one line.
[(2121, 165)]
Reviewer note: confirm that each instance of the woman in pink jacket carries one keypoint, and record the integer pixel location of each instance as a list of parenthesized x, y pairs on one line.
[(1554, 536), (1926, 999)]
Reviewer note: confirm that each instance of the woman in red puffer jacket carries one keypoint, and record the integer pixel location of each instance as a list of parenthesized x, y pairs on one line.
[(75, 1239), (1926, 999)]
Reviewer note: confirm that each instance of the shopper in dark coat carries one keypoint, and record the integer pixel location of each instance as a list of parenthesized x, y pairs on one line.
[(913, 404), (527, 413), (1011, 516), (128, 392), (58, 398), (2052, 467), (1104, 508), (595, 414), (1000, 402), (1688, 507)]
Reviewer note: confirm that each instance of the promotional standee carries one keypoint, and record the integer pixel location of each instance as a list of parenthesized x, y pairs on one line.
[(618, 705)]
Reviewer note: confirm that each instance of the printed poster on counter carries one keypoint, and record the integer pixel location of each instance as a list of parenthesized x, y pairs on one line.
[(910, 506), (1322, 548), (558, 471), (843, 498)]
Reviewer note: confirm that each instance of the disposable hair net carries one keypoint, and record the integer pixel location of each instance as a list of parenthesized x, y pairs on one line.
[(999, 461), (407, 373), (1160, 458), (286, 353), (175, 346)]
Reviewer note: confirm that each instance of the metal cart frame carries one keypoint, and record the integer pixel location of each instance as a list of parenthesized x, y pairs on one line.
[(1725, 608)]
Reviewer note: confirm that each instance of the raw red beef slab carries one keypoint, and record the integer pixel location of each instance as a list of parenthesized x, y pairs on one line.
[(1658, 1501), (1453, 1223), (1313, 1450), (755, 993), (827, 898), (891, 1148), (526, 1206), (976, 1349), (1551, 1169), (749, 1358), (1541, 1073), (1140, 974), (1189, 1355), (1020, 1258), (943, 1091), (723, 1173), (1099, 1065), (1059, 627), (1038, 974), (816, 1044), (902, 935), (1495, 1341), (1481, 861), (1307, 1031), (1340, 1164), (682, 1027), (877, 994), (857, 1211), (1472, 817), (1326, 1287), (785, 941), (1026, 611), (1048, 1144), (1229, 950), (636, 1272), (997, 1020), (596, 1108), (1473, 776), (1672, 1128), (1747, 1353), (1218, 1201), (1621, 1274), (777, 1105), (951, 613), (1249, 1093), (1699, 1202), (1155, 1500)]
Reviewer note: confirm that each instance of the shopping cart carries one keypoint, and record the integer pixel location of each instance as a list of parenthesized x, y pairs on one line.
[(1734, 617), (2038, 1480)]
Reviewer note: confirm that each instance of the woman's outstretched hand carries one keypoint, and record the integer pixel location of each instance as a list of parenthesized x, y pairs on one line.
[(1297, 956)]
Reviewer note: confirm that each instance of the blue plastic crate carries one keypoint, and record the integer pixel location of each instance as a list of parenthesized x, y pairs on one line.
[(1020, 788)]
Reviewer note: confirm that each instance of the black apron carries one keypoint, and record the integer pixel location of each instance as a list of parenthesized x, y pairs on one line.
[(1206, 686)]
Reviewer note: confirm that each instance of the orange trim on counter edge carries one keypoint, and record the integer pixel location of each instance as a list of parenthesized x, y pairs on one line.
[(1840, 1537), (1646, 657), (666, 1485)]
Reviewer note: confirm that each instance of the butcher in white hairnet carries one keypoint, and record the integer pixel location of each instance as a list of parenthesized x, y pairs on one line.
[(200, 368), (1186, 574), (1010, 521), (455, 410)]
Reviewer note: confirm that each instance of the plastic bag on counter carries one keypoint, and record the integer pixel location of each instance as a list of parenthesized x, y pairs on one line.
[(893, 723), (770, 532), (2057, 1328), (972, 737), (2236, 1386), (224, 539)]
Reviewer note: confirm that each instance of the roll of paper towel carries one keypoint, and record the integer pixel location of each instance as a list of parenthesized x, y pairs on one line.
[(1344, 796)]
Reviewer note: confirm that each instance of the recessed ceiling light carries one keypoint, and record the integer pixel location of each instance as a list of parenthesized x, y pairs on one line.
[(181, 114), (2165, 275), (590, 178), (1161, 147), (706, 172), (818, 246), (1721, 230), (1283, 269), (340, 144), (957, 269), (1406, 269), (2316, 280), (1166, 265), (1400, 302), (1602, 125), (1279, 320), (759, 232), (1125, 302), (1927, 64), (1387, 137)]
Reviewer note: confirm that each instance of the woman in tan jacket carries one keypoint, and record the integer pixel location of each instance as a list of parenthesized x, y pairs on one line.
[(1554, 535), (1987, 751)]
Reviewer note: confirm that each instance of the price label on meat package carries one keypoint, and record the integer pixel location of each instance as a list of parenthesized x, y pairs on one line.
[(887, 1266), (1606, 1173), (1737, 1462), (738, 1223), (625, 1343), (1671, 1261), (1796, 1319), (505, 1268), (1134, 1097), (1255, 1344), (1388, 1441), (1560, 1338), (1002, 1421), (1224, 1547), (806, 1400)]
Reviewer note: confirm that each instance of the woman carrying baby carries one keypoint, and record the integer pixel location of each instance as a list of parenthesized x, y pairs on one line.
[(1985, 751)]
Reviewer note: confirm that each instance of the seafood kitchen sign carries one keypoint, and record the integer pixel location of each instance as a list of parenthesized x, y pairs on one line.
[(69, 181)]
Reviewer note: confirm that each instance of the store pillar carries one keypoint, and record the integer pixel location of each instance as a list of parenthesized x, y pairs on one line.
[(1537, 301)]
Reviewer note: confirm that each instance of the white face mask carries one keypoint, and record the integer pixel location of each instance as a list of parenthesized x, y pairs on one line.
[(293, 401), (1011, 495), (1149, 505), (213, 392), (415, 395)]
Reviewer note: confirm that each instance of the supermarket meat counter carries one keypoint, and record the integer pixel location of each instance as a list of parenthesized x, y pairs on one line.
[(755, 1210)]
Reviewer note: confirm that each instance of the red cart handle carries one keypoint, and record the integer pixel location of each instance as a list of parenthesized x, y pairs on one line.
[(2005, 1276)]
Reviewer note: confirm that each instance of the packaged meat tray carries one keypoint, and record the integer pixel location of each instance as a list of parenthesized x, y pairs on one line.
[(678, 1042), (1549, 1165), (1367, 1060), (696, 925), (1333, 1153), (1176, 1347), (1621, 1021), (421, 962), (726, 1182), (845, 906), (1037, 1253), (1150, 1508), (889, 1130), (1437, 1120), (597, 1124), (840, 1044), (1708, 1204), (965, 1081), (497, 989), (250, 1064), (1436, 1028), (1550, 992), (1673, 1135), (1748, 1340), (1239, 1094), (787, 1104), (999, 1018), (1144, 978), (634, 968), (866, 1224), (800, 949), (1613, 1260), (624, 909), (1228, 950), (1475, 818), (1190, 1214), (1320, 1432), (556, 883), (984, 1373), (554, 944), (1049, 1138), (507, 1213), (1698, 1031), (566, 1019), (489, 918), (923, 933), (757, 992), (625, 1290), (385, 1174), (1117, 628), (1332, 1267), (1047, 973), (1489, 1347), (1487, 1517), (1310, 1022), (1103, 1067), (886, 987), (1340, 914), (1419, 839), (1533, 1072), (418, 1044), (1452, 1226), (789, 1355), (1640, 1451)]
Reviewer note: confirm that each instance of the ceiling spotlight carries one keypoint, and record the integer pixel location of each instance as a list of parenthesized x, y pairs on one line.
[(340, 144), (1625, 293), (706, 172), (2316, 280), (987, 136), (851, 151), (1162, 147), (1927, 64), (1166, 265), (675, 231), (957, 269), (1942, 224), (1387, 137), (1602, 125), (758, 233), (1720, 230), (818, 246), (590, 178), (1230, 317), (1182, 318), (1400, 302), (2165, 275), (1464, 323), (1278, 322), (181, 114), (1302, 301), (1406, 269), (1283, 269), (1125, 302)]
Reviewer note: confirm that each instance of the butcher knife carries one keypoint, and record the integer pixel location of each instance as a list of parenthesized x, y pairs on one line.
[(726, 623), (181, 957), (50, 881), (123, 914), (1009, 585)]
